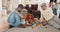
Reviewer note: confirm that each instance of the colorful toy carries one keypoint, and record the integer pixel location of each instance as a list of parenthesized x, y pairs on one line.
[(39, 24), (33, 23)]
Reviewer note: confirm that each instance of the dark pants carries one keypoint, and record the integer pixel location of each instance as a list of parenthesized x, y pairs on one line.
[(10, 26), (59, 15), (55, 11)]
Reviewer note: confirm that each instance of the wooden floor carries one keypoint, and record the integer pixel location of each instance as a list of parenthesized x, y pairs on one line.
[(29, 29)]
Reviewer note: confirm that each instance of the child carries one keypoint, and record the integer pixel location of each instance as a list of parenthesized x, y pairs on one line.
[(29, 17)]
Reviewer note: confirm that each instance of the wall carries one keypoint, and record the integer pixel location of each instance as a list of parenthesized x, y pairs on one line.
[(13, 4), (0, 5), (58, 0), (1, 23)]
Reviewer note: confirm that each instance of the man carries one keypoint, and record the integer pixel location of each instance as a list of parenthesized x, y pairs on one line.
[(48, 15), (58, 10), (16, 18)]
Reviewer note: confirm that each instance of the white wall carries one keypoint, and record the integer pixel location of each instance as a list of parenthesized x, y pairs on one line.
[(58, 0), (1, 23), (13, 4), (0, 5)]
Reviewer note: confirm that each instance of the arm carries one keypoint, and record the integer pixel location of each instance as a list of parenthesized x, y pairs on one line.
[(42, 18), (32, 18), (57, 13), (43, 21), (26, 19), (18, 21)]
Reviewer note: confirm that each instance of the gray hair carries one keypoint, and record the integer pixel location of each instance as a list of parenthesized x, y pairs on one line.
[(43, 4)]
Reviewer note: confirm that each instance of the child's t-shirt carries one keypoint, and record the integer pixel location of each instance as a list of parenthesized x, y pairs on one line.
[(29, 17)]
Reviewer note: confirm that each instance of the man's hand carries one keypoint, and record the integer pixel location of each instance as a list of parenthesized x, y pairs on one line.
[(22, 26)]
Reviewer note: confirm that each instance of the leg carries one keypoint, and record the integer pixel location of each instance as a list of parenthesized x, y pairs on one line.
[(10, 26), (53, 23), (23, 24), (59, 15), (56, 19)]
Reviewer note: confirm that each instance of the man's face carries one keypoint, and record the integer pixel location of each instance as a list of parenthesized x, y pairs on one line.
[(20, 9), (43, 7)]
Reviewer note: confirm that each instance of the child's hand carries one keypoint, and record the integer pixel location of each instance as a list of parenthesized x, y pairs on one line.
[(22, 26), (27, 22), (44, 22), (37, 21)]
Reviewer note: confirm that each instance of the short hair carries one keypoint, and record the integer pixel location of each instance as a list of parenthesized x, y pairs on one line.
[(29, 11), (20, 6), (43, 4)]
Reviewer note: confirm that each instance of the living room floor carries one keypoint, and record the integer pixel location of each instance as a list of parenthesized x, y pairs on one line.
[(29, 29)]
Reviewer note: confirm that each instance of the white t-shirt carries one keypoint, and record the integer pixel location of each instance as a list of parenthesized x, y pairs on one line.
[(47, 14)]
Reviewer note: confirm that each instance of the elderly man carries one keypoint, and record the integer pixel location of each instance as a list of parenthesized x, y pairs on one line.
[(16, 17), (47, 14)]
